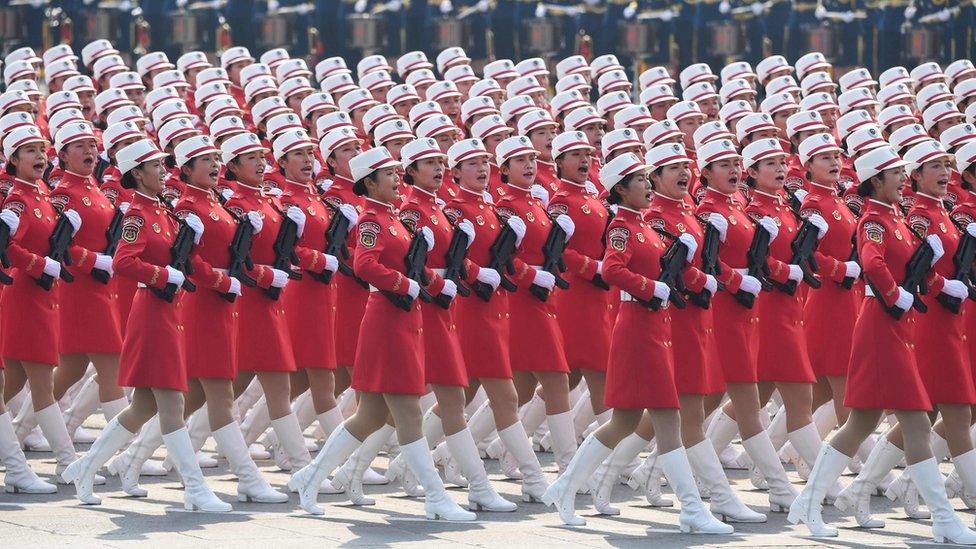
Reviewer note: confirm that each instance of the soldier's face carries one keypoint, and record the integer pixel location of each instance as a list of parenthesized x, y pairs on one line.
[(779, 119), (829, 117), (636, 195), (473, 174), (445, 140), (933, 177), (542, 141), (30, 160), (825, 168), (403, 107), (394, 146), (687, 126), (710, 108), (385, 187), (79, 157), (521, 170), (659, 110), (202, 171), (723, 175), (149, 177), (298, 164), (87, 100), (428, 173), (636, 149), (450, 105), (137, 96), (594, 133), (769, 173), (672, 180), (891, 183), (123, 144), (491, 142), (340, 159), (575, 165), (248, 168)]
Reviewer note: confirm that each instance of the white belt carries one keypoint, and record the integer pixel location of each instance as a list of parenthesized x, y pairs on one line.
[(743, 272), (141, 285), (439, 272), (868, 291), (373, 288), (225, 271), (625, 296)]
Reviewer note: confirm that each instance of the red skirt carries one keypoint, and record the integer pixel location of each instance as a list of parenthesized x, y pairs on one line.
[(211, 335), (697, 371), (90, 321), (583, 311), (942, 353), (264, 342), (782, 339), (29, 321), (828, 318), (310, 312), (153, 350), (125, 289), (969, 337), (483, 333), (737, 338), (350, 303), (640, 373), (537, 342), (883, 374), (443, 361), (390, 354)]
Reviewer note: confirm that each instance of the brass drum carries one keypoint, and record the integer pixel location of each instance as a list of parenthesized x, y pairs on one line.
[(823, 38), (637, 38), (282, 28), (540, 36), (448, 32), (923, 43), (108, 20), (13, 22), (726, 38), (365, 32)]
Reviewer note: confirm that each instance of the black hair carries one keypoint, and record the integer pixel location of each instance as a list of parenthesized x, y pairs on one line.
[(189, 164), (750, 181), (170, 161), (865, 188), (502, 175), (407, 178), (229, 175), (128, 180), (914, 182), (971, 170), (613, 195), (10, 169), (359, 187)]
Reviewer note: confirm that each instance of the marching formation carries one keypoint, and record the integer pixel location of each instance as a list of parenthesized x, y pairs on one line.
[(448, 266)]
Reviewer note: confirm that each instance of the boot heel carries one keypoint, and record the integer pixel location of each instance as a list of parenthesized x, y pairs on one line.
[(776, 508), (188, 506)]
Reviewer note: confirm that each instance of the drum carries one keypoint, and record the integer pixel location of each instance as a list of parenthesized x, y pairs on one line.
[(924, 43), (284, 28), (365, 32), (726, 38), (193, 28), (448, 32), (109, 20), (14, 24), (540, 36), (823, 38), (637, 38)]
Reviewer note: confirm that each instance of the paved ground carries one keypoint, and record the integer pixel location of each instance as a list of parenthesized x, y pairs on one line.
[(159, 521)]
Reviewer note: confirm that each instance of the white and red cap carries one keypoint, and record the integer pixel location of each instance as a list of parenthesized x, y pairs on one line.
[(460, 74), (170, 110), (697, 72), (713, 151), (291, 140), (819, 101), (464, 150), (108, 65), (851, 122), (126, 81), (252, 71), (660, 131), (817, 144), (782, 84), (338, 83), (895, 114), (522, 86), (856, 78), (27, 86), (61, 69), (92, 51), (779, 102), (655, 76), (965, 156), (442, 90), (19, 137), (962, 68), (736, 70), (937, 112), (735, 88), (567, 101), (605, 63), (192, 60), (657, 93), (895, 75), (233, 55), (175, 129), (436, 125), (15, 98), (894, 92), (817, 82), (490, 125), (534, 66), (377, 158), (761, 149), (411, 61), (18, 69), (357, 99), (421, 77), (865, 139), (152, 61), (710, 131), (535, 119), (14, 120), (516, 106), (274, 56), (665, 155), (957, 135), (420, 149), (616, 170), (804, 121), (485, 87), (377, 114), (502, 69), (294, 85), (317, 101), (337, 138), (400, 93), (158, 96), (752, 123), (931, 94), (213, 75), (634, 115), (734, 110), (609, 103), (208, 92), (874, 162), (811, 63), (110, 99), (971, 113), (330, 67), (137, 153), (906, 136), (963, 90), (242, 143), (126, 112), (926, 73), (281, 123), (392, 129), (194, 147), (226, 126), (476, 106), (772, 66), (574, 64), (570, 141), (63, 117), (25, 54), (76, 131), (512, 147), (613, 81), (450, 57), (61, 52), (259, 85), (422, 111), (699, 91), (290, 69), (573, 82), (684, 109), (268, 107), (619, 139), (172, 78), (580, 117)]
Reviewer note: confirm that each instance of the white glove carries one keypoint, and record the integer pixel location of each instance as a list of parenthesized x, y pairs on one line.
[(688, 240), (226, 194), (566, 224), (936, 243), (486, 196), (955, 288), (175, 276), (360, 6), (724, 7), (124, 207), (393, 5), (661, 291), (800, 195), (943, 15), (467, 228), (413, 289), (751, 284), (273, 191), (324, 185), (905, 299), (667, 15), (52, 268), (349, 211), (298, 216), (820, 223), (182, 4), (544, 279), (331, 263), (518, 226), (450, 289), (103, 263), (599, 268), (711, 284), (490, 277), (820, 12), (630, 11), (278, 278), (910, 12), (13, 221), (591, 188), (257, 223), (971, 229), (75, 219), (194, 222), (758, 8), (770, 227), (428, 236), (718, 221), (796, 273), (446, 6), (439, 201), (482, 6), (540, 10), (851, 269), (540, 192), (235, 286), (847, 17)]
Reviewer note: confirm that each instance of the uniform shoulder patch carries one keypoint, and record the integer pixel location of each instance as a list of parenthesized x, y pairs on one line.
[(368, 230), (60, 201), (332, 200), (111, 194), (183, 214), (617, 238), (236, 210), (409, 218), (962, 218), (919, 223), (854, 203), (656, 223), (793, 182), (504, 212), (756, 216), (131, 225), (703, 216), (874, 231), (15, 206), (452, 214), (557, 209), (807, 212)]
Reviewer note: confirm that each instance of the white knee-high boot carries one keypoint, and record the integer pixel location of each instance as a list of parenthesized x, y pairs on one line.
[(781, 491), (82, 471), (857, 496), (562, 493), (695, 517), (196, 494), (606, 475), (481, 496), (808, 505), (946, 525), (251, 486), (724, 502), (19, 477), (306, 481)]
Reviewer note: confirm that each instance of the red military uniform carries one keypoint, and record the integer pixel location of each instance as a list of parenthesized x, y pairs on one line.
[(210, 320), (584, 308), (173, 187), (390, 354), (448, 189), (29, 320), (546, 175), (125, 288), (90, 321), (153, 351), (444, 364), (965, 213), (6, 183), (782, 340), (641, 367), (265, 344), (693, 328), (537, 342), (496, 188), (883, 373), (941, 349)]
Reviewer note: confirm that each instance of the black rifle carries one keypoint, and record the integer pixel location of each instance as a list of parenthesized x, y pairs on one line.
[(848, 281), (456, 253), (804, 245), (285, 256), (710, 265), (502, 252), (180, 253), (553, 262), (672, 264), (416, 264), (4, 260), (963, 261), (915, 271), (336, 235), (112, 235), (597, 279), (60, 241), (757, 266), (240, 255)]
